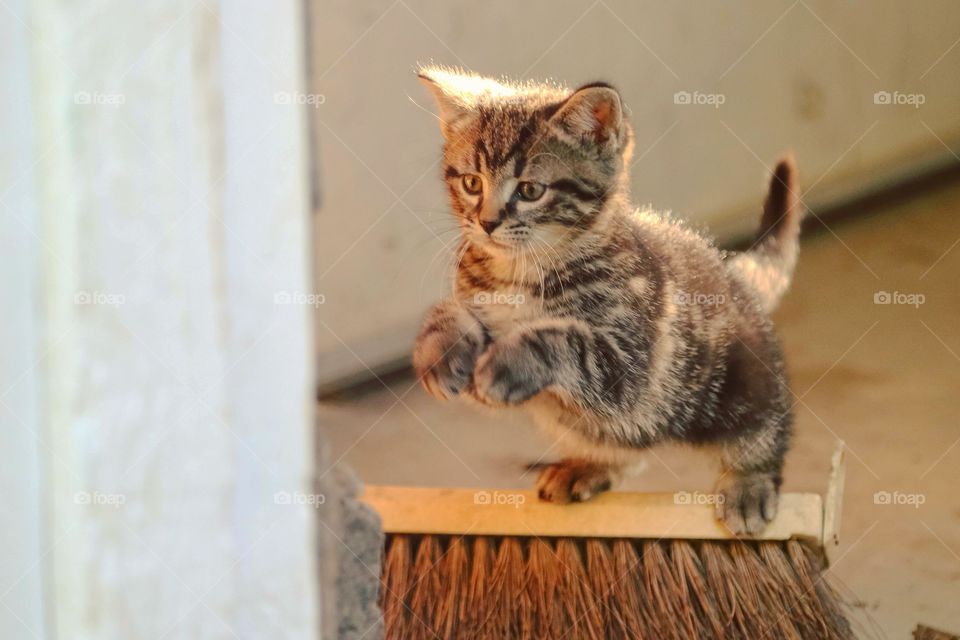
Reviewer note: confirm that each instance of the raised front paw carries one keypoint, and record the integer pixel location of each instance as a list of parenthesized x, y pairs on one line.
[(510, 372), (748, 503), (573, 481), (444, 359)]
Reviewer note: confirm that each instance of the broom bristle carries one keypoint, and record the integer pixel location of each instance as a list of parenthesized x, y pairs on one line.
[(691, 576), (477, 587), (427, 588), (506, 618), (468, 587), (774, 605), (738, 610), (542, 589), (395, 582), (577, 598), (827, 602), (663, 591), (454, 568), (605, 583)]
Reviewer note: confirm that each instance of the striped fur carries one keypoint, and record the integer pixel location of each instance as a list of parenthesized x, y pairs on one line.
[(617, 328)]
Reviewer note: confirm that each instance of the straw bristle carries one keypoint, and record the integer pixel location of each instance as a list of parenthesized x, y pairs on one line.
[(454, 567), (738, 610), (509, 614), (605, 583), (691, 573), (471, 587), (395, 582), (542, 587), (578, 600), (827, 604), (478, 588), (428, 588)]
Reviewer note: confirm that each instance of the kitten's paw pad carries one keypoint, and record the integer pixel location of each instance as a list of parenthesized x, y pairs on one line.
[(748, 504), (568, 481), (507, 374), (444, 363)]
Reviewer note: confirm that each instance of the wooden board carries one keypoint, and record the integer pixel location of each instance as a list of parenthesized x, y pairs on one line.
[(682, 515)]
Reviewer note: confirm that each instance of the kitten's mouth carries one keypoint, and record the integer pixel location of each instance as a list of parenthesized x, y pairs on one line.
[(483, 239), (511, 244)]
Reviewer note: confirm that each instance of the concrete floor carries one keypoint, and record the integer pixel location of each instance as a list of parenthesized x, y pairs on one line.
[(884, 378)]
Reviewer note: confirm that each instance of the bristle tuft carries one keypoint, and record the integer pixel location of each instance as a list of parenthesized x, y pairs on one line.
[(691, 575), (576, 597), (454, 569), (506, 592), (477, 587), (545, 574), (427, 586)]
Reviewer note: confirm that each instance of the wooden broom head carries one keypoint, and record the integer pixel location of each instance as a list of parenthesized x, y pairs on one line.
[(682, 515), (461, 563)]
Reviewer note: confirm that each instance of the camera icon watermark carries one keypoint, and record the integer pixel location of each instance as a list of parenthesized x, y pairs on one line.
[(899, 298), (515, 500), (714, 100), (898, 98), (897, 498)]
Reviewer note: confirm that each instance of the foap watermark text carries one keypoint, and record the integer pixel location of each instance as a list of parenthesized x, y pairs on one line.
[(515, 500), (299, 498), (898, 498), (299, 297), (898, 98), (697, 497), (497, 297), (899, 298), (97, 498), (315, 100), (99, 298), (99, 99), (698, 98), (699, 299)]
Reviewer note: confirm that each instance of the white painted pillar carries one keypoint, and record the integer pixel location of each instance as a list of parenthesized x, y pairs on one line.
[(162, 443), (21, 438)]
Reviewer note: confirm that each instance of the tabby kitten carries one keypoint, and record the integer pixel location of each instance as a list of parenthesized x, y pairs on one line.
[(617, 328)]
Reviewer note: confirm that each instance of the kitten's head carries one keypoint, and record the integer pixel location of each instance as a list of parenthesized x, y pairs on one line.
[(529, 165)]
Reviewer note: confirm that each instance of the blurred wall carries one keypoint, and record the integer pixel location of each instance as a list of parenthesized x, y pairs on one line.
[(762, 77), (156, 392), (21, 471)]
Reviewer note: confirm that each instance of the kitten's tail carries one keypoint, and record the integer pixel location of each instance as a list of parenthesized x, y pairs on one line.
[(768, 265)]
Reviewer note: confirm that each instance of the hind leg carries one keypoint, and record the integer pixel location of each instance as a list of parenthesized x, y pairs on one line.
[(575, 480), (749, 487)]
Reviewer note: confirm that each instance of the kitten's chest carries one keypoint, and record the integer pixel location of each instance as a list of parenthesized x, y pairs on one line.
[(504, 310), (502, 295)]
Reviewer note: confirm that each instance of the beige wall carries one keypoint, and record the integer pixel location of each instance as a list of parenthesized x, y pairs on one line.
[(798, 76)]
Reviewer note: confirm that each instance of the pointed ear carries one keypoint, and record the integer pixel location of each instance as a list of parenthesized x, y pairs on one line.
[(452, 108), (592, 114)]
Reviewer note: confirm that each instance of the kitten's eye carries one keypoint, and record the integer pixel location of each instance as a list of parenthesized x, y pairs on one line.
[(472, 184), (530, 191)]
